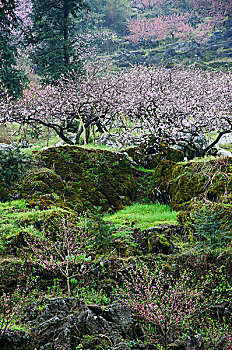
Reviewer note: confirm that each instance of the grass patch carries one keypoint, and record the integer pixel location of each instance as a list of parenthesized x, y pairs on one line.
[(143, 215), (98, 146), (16, 217), (144, 170)]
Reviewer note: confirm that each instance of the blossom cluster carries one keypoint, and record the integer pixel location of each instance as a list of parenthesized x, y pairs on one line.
[(169, 103)]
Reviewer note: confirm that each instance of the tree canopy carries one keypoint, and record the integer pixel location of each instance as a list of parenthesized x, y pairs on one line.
[(11, 78), (53, 37)]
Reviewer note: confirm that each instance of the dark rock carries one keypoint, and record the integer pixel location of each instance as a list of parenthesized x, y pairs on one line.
[(121, 346), (62, 322), (117, 314), (15, 145), (13, 340), (158, 238), (199, 141), (149, 154), (135, 346), (95, 309), (22, 144), (228, 23), (216, 36), (186, 46), (227, 33), (177, 345), (170, 53)]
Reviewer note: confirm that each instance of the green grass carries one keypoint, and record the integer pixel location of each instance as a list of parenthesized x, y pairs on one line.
[(38, 144), (143, 215), (98, 146), (16, 217), (144, 170)]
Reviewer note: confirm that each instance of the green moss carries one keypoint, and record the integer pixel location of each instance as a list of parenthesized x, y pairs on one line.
[(182, 185), (42, 180), (53, 220), (81, 178), (136, 154), (163, 172), (219, 186), (145, 155), (159, 244)]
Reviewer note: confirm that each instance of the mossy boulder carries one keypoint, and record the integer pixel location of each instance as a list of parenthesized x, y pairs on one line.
[(182, 185), (80, 179), (159, 244), (165, 153), (55, 218), (148, 157)]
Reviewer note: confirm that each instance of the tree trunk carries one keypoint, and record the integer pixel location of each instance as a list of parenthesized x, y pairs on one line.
[(68, 285)]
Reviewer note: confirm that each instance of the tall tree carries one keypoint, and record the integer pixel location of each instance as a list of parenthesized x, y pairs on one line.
[(11, 78), (53, 34)]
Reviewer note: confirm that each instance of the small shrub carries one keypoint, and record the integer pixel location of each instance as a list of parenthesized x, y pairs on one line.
[(160, 298), (211, 227), (13, 305), (101, 233), (68, 253)]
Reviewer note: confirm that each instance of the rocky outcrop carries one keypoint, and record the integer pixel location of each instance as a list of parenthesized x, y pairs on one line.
[(149, 156), (62, 323), (182, 185), (80, 179), (15, 145), (14, 340)]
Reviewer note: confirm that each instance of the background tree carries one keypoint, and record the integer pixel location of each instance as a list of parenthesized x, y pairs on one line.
[(11, 78), (110, 14), (116, 13), (174, 105), (53, 35)]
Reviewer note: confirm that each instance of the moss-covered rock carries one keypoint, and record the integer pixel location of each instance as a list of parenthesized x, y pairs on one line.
[(166, 153), (78, 178), (149, 158), (182, 185), (159, 244)]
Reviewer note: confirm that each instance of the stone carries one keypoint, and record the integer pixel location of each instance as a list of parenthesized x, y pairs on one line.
[(62, 322), (14, 340), (186, 46), (22, 144), (15, 145), (158, 238), (225, 139), (216, 36), (223, 153), (149, 154), (109, 140), (6, 147), (199, 141), (177, 345), (159, 244), (77, 178), (182, 185), (228, 33)]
